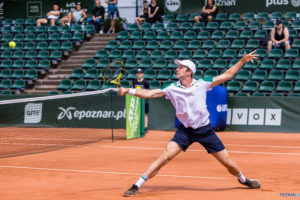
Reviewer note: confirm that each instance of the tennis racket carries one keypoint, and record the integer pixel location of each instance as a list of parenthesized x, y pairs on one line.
[(116, 77)]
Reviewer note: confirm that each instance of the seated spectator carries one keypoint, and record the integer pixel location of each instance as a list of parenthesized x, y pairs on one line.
[(279, 37), (77, 16), (153, 17), (144, 15), (97, 17), (52, 16), (112, 13), (208, 12)]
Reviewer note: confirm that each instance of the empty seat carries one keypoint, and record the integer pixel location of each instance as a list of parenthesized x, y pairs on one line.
[(42, 46), (149, 35), (181, 17), (136, 35), (65, 84), (112, 44), (18, 74), (260, 34), (128, 54), (44, 64), (208, 44), (145, 63), (297, 87), (253, 43), (242, 75), (267, 86), (163, 35), (91, 74), (226, 25), (248, 16), (31, 64), (180, 44), (146, 26), (290, 15), (160, 64), (79, 85), (185, 26), (194, 44), (250, 86), (296, 43), (275, 75), (198, 26), (240, 25), (296, 24), (234, 86), (292, 75), (157, 26), (149, 74), (296, 64), (65, 37), (156, 54), (234, 16), (203, 35), (18, 85), (261, 16), (94, 85), (123, 35), (54, 46), (172, 26), (131, 63), (18, 64), (153, 44), (246, 34), (167, 44), (217, 34), (114, 54), (262, 53), (268, 25), (89, 63), (185, 54), (229, 53), (200, 53), (254, 25), (77, 73), (142, 54), (291, 53), (275, 53), (176, 35), (138, 44), (189, 35), (238, 44), (276, 15), (259, 75), (220, 64), (251, 66), (204, 64), (232, 34), (170, 54), (209, 74), (284, 86), (5, 74), (154, 84), (284, 64), (125, 44), (221, 16), (212, 25), (5, 84), (223, 44), (164, 74), (267, 64), (132, 27)]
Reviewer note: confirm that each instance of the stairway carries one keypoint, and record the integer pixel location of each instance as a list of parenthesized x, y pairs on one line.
[(65, 67)]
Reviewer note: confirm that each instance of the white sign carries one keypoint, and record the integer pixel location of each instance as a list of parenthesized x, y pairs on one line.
[(33, 113), (173, 5)]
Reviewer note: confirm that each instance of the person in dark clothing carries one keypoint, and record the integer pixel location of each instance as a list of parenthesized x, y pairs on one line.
[(208, 12), (153, 17), (144, 15), (141, 83), (279, 37), (97, 17)]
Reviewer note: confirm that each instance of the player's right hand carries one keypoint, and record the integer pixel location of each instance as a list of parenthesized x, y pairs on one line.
[(122, 91)]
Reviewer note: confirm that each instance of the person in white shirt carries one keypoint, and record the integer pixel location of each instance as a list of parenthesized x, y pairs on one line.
[(188, 96), (52, 16)]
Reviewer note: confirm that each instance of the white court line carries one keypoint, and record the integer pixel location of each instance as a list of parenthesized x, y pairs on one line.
[(115, 173), (198, 150)]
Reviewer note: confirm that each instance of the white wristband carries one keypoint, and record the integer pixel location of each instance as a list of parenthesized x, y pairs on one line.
[(131, 92)]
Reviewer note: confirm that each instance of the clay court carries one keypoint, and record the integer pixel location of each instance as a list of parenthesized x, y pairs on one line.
[(104, 170)]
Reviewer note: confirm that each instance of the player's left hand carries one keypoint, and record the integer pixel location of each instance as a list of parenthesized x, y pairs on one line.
[(250, 57), (122, 91)]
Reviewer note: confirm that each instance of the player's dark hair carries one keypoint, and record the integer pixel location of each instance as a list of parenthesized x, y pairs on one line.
[(213, 2)]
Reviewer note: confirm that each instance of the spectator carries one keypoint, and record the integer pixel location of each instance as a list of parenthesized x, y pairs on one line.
[(152, 13), (77, 16), (52, 16), (144, 15), (98, 16), (279, 37), (141, 83), (208, 12), (112, 13)]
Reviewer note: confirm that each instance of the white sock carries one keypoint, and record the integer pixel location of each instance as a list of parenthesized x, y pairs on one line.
[(242, 178), (141, 181)]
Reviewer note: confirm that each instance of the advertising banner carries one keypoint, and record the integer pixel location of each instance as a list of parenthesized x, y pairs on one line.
[(133, 117)]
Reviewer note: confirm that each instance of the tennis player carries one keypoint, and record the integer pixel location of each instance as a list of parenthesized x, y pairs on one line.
[(188, 96)]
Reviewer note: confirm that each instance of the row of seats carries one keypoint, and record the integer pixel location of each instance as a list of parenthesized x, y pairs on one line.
[(64, 46), (31, 54), (22, 64), (225, 25), (201, 35), (19, 74), (16, 85), (45, 29)]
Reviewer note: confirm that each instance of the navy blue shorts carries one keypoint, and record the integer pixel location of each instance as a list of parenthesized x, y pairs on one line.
[(205, 135)]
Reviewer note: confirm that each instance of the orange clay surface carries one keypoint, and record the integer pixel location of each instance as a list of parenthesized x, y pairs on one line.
[(104, 170)]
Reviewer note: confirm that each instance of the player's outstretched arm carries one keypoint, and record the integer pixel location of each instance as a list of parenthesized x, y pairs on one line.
[(143, 93), (230, 73)]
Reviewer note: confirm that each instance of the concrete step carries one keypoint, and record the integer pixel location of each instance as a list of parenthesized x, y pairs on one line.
[(95, 48), (85, 53), (61, 71), (80, 57), (59, 76), (70, 61), (47, 82), (46, 88)]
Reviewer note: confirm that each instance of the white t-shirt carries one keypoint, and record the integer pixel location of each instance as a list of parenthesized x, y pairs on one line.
[(190, 103), (53, 16)]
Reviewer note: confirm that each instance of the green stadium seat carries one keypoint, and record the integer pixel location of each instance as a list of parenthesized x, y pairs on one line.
[(180, 44), (253, 44), (198, 26), (65, 84), (181, 17), (89, 63), (138, 44), (204, 64), (77, 73), (163, 35), (154, 84), (276, 95), (41, 46), (44, 64), (93, 85), (18, 37), (221, 17), (18, 64), (194, 44), (76, 28), (89, 30), (234, 86), (132, 74), (208, 44), (43, 54), (296, 64), (242, 51), (198, 74), (167, 83), (232, 34), (114, 54), (152, 44), (64, 29), (242, 75), (171, 64), (167, 44), (5, 74), (246, 34), (54, 46), (261, 16), (258, 94), (18, 85), (248, 16), (229, 53), (7, 29), (203, 35), (31, 64), (18, 74), (291, 53), (31, 74), (156, 54), (212, 25), (260, 34), (172, 26), (6, 37), (112, 44), (290, 15), (275, 53), (30, 54), (259, 75), (284, 64), (170, 54), (296, 43), (223, 44), (53, 37), (125, 84), (146, 26), (123, 35), (217, 35), (169, 17), (176, 35), (239, 25), (234, 16), (220, 64), (145, 63), (132, 27), (41, 29), (276, 15), (185, 26), (160, 64), (53, 93), (157, 26), (65, 37), (131, 63), (29, 29), (78, 37), (191, 17), (174, 75), (149, 74), (267, 64), (136, 35), (53, 29), (67, 92), (18, 29), (292, 75), (189, 35), (7, 63), (297, 87), (254, 25), (237, 44), (5, 84), (125, 44), (142, 54), (79, 85), (232, 62), (102, 63), (262, 53), (30, 21), (29, 46), (226, 25), (284, 86), (164, 74), (6, 92), (66, 46), (91, 74), (19, 21), (268, 25), (293, 94), (150, 35), (19, 46), (210, 73), (200, 53), (6, 54), (267, 86), (185, 54), (275, 75), (56, 55)]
